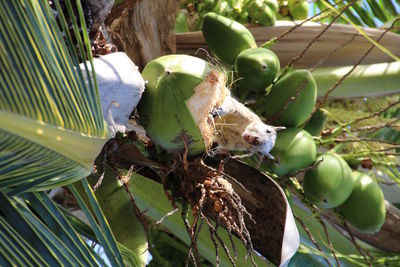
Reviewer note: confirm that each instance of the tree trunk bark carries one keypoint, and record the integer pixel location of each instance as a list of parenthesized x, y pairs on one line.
[(144, 29)]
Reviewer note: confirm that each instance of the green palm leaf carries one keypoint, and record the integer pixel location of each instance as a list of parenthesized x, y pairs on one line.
[(102, 231), (371, 13), (306, 259), (34, 232), (51, 122), (389, 6)]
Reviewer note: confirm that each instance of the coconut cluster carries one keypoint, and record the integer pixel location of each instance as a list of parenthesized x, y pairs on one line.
[(287, 98), (187, 111), (186, 106)]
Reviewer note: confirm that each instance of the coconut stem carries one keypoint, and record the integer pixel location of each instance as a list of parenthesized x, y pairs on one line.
[(310, 236), (353, 240), (379, 112), (320, 34), (321, 221), (355, 140)]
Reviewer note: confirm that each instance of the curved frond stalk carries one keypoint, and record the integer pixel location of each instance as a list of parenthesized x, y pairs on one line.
[(45, 101), (366, 80), (102, 229), (76, 146)]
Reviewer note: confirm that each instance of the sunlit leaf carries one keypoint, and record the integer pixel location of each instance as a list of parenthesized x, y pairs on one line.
[(101, 230), (51, 122)]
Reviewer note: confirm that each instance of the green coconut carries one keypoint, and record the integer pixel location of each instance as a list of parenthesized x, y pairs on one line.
[(291, 99), (226, 37), (279, 16), (206, 5), (365, 208), (317, 123), (222, 8), (298, 9), (181, 91), (181, 24), (263, 11), (294, 149), (330, 183), (257, 68)]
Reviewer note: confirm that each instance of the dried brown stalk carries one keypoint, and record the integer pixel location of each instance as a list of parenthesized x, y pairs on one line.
[(356, 140), (337, 83), (333, 52), (317, 215), (321, 221), (353, 240), (310, 236), (214, 231), (320, 34), (347, 236), (371, 128), (377, 113), (298, 25)]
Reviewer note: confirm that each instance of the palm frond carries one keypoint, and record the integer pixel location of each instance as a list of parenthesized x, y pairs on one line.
[(369, 13), (130, 258), (34, 232), (51, 122), (102, 231), (305, 258), (116, 203)]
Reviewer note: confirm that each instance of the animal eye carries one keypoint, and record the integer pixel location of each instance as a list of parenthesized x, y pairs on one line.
[(268, 131)]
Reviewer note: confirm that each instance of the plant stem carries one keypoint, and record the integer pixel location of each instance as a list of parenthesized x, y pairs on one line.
[(379, 112)]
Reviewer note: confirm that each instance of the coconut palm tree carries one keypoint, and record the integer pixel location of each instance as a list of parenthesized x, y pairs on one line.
[(52, 129)]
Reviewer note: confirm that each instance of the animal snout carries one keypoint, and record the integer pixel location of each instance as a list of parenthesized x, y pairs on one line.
[(251, 139)]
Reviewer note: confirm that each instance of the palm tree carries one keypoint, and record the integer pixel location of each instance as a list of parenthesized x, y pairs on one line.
[(53, 128)]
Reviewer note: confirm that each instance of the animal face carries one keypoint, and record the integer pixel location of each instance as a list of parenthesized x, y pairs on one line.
[(261, 137)]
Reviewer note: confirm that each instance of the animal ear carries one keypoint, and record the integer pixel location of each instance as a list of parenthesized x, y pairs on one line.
[(279, 128)]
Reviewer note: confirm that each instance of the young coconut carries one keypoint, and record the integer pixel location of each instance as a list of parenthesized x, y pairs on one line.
[(365, 208), (257, 68), (298, 9), (330, 183), (316, 123), (176, 109), (291, 99), (180, 94), (294, 149), (226, 37), (263, 11)]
